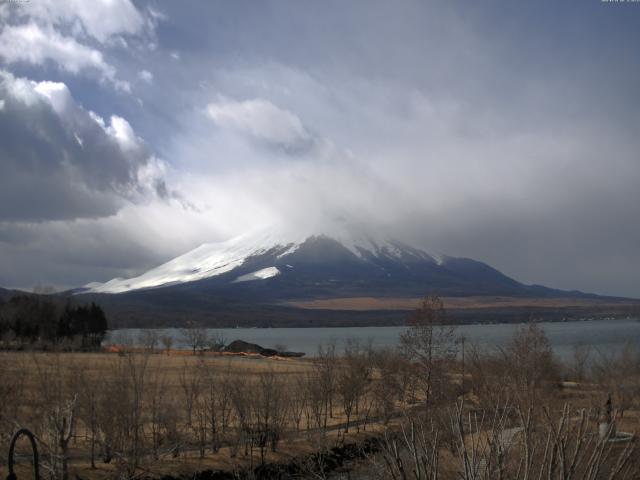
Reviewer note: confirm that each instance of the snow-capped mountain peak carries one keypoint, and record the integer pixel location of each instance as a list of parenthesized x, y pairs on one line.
[(215, 259)]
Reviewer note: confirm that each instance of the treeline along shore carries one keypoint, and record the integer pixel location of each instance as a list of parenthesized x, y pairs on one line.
[(47, 321)]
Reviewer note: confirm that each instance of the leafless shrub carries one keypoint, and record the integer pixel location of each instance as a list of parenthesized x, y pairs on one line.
[(582, 354), (410, 452), (619, 372), (506, 443)]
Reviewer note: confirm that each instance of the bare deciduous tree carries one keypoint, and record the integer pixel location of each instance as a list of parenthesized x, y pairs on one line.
[(530, 364), (136, 370), (430, 343), (59, 404), (388, 390), (88, 405), (580, 361), (352, 379), (195, 337), (216, 342), (190, 384), (60, 428), (270, 411), (298, 396), (158, 408), (325, 363), (167, 342), (149, 339)]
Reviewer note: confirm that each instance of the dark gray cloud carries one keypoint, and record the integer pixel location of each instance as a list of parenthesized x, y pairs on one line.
[(60, 161)]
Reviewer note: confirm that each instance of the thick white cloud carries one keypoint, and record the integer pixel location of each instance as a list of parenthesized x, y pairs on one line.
[(33, 44), (261, 120), (99, 19), (74, 34), (56, 92), (145, 76)]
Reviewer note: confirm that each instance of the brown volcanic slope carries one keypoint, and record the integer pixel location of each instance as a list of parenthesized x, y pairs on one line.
[(462, 303)]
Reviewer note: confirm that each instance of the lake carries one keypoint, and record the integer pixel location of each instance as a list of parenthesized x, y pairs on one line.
[(605, 336)]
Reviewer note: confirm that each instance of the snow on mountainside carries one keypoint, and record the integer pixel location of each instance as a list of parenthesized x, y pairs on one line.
[(214, 259), (263, 278), (261, 274), (208, 260)]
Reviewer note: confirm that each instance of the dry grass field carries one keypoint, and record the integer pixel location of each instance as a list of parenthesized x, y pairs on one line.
[(485, 302), (154, 413), (182, 383)]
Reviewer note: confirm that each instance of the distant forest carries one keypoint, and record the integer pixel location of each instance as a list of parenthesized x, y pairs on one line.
[(42, 321)]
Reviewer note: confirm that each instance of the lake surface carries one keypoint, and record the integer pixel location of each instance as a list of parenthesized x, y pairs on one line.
[(605, 336)]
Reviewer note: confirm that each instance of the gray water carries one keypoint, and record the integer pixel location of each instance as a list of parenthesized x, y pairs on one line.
[(604, 336)]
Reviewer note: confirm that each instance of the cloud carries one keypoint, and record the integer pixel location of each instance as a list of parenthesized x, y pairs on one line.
[(145, 76), (261, 120), (67, 254), (486, 132), (75, 35), (521, 183), (99, 20), (60, 161), (33, 44)]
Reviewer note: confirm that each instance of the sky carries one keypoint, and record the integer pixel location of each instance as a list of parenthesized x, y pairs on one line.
[(507, 132)]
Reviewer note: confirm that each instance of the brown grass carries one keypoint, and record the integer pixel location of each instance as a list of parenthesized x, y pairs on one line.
[(477, 302), (248, 368), (172, 366)]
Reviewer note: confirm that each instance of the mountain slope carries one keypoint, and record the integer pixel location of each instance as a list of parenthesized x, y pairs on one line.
[(257, 280), (5, 294), (269, 266)]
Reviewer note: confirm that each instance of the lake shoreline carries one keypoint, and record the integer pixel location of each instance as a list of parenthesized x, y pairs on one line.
[(602, 335)]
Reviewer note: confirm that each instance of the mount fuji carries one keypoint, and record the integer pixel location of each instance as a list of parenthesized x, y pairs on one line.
[(270, 278), (279, 267)]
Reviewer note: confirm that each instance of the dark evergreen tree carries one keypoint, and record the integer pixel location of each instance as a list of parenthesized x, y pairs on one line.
[(45, 319)]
